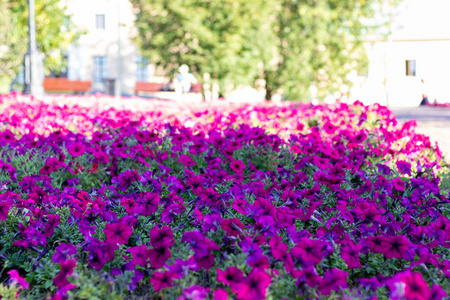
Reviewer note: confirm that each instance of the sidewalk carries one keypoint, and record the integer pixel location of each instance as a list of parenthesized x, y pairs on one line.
[(431, 121)]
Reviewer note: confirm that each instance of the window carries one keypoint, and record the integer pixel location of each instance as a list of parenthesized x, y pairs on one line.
[(100, 68), (100, 21), (142, 69), (410, 68)]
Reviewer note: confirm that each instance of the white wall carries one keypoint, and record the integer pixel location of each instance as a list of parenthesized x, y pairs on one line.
[(99, 42), (387, 82)]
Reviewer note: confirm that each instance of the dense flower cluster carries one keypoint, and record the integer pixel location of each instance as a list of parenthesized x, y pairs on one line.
[(218, 201)]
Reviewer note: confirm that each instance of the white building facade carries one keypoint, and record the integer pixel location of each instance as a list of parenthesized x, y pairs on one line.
[(417, 49), (106, 54)]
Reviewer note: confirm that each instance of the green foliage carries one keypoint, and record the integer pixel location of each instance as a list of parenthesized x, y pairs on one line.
[(9, 292), (291, 44), (54, 33), (218, 37)]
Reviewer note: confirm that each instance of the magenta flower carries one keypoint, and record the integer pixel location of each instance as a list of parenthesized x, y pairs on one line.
[(278, 248), (332, 280), (186, 160), (5, 206), (118, 232), (195, 292), (237, 166), (220, 294), (399, 184), (395, 246), (76, 149), (254, 287), (350, 254), (409, 285), (232, 276), (148, 205), (14, 278), (239, 205), (64, 252), (307, 275), (158, 255), (129, 204), (67, 267), (404, 167), (309, 251), (233, 226), (53, 221), (375, 243), (437, 293), (163, 236), (140, 255), (162, 280), (252, 249), (97, 259), (182, 267)]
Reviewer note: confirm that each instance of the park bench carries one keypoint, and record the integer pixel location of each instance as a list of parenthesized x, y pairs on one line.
[(156, 87), (54, 85)]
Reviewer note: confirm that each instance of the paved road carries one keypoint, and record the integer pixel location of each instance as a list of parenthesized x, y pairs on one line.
[(432, 121)]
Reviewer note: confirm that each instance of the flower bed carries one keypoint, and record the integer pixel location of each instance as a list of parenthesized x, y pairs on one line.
[(108, 200)]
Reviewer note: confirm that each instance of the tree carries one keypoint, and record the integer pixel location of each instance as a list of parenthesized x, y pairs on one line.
[(292, 44), (54, 33), (217, 37), (319, 42)]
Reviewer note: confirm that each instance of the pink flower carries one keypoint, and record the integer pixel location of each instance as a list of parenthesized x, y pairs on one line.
[(5, 206), (64, 252), (404, 167), (186, 160), (140, 256), (308, 250), (162, 280), (375, 243), (67, 267), (395, 246), (148, 205), (163, 236), (14, 277), (118, 232), (350, 254), (233, 226), (53, 221), (76, 149), (195, 292), (332, 280), (437, 293), (158, 256), (409, 285), (237, 166), (232, 276), (220, 294), (254, 287), (307, 275), (239, 205)]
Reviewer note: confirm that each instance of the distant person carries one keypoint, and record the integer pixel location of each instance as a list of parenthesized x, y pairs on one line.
[(183, 80), (425, 100)]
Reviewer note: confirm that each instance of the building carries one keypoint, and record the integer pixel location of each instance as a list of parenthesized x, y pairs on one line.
[(106, 55), (417, 49)]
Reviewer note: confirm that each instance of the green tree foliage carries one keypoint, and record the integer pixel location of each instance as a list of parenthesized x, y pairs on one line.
[(54, 33), (319, 43), (216, 37), (292, 44)]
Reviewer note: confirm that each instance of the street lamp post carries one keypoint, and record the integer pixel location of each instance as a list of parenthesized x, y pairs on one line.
[(33, 59)]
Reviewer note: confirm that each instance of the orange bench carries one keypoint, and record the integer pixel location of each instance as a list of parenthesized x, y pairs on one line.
[(142, 86), (66, 85)]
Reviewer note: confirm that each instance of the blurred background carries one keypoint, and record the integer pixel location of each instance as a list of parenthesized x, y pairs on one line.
[(391, 52)]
